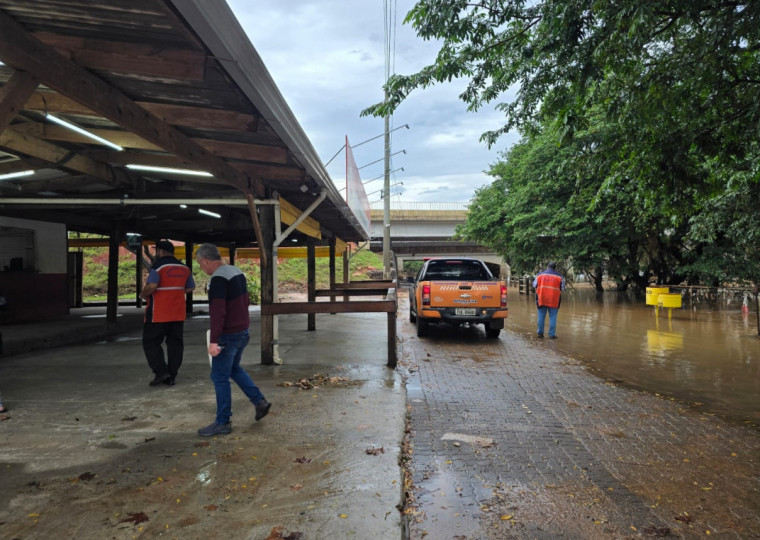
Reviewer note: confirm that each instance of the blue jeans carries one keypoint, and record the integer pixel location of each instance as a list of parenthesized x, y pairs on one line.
[(552, 320), (226, 366)]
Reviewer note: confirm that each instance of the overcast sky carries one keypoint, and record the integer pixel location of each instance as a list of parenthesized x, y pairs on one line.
[(327, 58)]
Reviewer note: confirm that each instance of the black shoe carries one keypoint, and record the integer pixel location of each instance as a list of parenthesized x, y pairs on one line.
[(552, 337), (215, 429), (262, 409), (169, 381), (161, 378), (540, 334)]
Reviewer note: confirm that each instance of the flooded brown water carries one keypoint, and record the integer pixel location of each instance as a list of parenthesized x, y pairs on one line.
[(708, 358)]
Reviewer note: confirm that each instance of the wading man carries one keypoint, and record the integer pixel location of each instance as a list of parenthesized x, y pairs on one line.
[(549, 285)]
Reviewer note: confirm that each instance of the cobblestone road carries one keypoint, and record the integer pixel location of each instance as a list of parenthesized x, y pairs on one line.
[(512, 440)]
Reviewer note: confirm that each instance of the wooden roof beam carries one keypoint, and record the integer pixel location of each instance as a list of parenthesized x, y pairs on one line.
[(202, 118), (176, 115), (59, 157), (68, 183), (52, 132), (234, 150), (17, 165), (270, 173), (128, 58), (13, 95), (21, 50)]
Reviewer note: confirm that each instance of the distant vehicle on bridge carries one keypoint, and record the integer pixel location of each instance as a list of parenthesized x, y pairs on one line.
[(458, 291)]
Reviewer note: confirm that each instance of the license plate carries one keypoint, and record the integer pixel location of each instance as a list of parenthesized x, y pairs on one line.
[(464, 311)]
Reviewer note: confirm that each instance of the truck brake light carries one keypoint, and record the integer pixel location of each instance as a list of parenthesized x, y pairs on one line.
[(503, 296), (426, 295)]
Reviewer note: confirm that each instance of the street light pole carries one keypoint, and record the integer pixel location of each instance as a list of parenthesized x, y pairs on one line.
[(387, 200)]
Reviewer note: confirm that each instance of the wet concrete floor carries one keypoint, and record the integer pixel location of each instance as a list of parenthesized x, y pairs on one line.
[(511, 438), (92, 452), (709, 357)]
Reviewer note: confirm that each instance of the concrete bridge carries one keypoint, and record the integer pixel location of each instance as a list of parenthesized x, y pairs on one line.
[(421, 230)]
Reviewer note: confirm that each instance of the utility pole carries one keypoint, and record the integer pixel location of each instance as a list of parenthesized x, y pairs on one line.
[(387, 200)]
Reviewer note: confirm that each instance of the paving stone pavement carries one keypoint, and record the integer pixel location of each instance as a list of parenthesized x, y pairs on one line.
[(510, 439)]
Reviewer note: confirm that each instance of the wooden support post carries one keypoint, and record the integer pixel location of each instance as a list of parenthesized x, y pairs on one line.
[(345, 272), (138, 274), (112, 303), (257, 228), (311, 282), (267, 282), (232, 250), (392, 352), (332, 266), (189, 263)]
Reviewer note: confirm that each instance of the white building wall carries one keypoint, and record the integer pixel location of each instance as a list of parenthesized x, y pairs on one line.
[(50, 244)]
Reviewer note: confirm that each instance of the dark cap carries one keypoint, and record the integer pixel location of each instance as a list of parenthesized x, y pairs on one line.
[(165, 245), (552, 265)]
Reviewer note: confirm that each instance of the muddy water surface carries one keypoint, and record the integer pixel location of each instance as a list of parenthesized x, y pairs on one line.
[(711, 358)]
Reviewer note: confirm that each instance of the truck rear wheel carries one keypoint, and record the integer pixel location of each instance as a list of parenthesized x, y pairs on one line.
[(412, 316), (422, 327), (492, 333)]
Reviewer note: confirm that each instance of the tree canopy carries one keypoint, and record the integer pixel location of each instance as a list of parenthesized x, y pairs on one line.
[(642, 117)]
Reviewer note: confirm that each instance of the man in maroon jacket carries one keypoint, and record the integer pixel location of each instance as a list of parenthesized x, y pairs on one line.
[(228, 308)]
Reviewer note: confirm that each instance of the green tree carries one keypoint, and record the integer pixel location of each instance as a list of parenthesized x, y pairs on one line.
[(546, 203), (663, 98), (647, 64)]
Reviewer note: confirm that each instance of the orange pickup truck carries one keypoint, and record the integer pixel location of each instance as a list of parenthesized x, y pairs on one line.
[(459, 291)]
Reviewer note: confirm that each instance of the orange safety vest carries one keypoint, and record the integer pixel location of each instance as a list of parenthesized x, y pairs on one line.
[(168, 300), (548, 290)]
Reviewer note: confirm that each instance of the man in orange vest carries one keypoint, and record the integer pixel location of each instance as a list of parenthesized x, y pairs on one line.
[(168, 282), (549, 285)]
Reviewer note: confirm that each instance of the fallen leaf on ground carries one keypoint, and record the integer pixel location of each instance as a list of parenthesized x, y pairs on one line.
[(211, 507), (315, 381), (296, 487), (372, 451), (86, 476), (302, 460), (202, 444), (280, 533), (137, 518)]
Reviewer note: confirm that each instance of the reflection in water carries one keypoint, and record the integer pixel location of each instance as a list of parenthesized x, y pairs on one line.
[(710, 357), (660, 342)]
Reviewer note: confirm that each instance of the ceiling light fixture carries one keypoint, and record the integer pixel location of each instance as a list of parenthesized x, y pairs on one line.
[(209, 213), (82, 131), (18, 174), (167, 170)]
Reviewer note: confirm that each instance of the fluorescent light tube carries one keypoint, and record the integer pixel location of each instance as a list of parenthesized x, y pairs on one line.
[(168, 170), (82, 131), (15, 175), (209, 213)]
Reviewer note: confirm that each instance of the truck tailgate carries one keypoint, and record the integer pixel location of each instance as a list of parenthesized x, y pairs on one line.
[(483, 294)]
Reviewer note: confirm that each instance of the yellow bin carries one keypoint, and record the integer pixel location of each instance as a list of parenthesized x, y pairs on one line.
[(654, 292), (669, 300)]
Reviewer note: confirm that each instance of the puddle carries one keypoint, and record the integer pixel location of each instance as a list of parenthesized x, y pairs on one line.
[(710, 357), (205, 474)]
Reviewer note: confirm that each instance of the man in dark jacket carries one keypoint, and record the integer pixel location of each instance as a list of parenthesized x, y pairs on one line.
[(228, 310), (168, 282)]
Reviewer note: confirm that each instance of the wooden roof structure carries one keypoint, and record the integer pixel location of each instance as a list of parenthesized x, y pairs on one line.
[(175, 84)]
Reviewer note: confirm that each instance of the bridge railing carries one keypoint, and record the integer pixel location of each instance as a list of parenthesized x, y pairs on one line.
[(422, 206)]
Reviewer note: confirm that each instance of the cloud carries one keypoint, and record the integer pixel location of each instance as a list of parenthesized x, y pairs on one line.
[(327, 58)]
